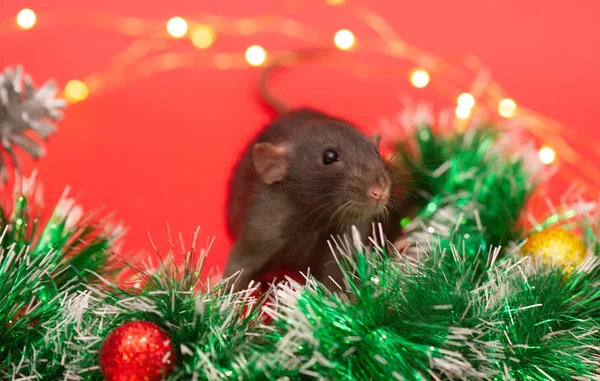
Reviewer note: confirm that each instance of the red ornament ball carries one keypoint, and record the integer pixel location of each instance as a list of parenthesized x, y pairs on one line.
[(137, 351)]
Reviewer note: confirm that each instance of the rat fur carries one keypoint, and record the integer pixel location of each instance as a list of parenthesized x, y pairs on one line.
[(287, 195)]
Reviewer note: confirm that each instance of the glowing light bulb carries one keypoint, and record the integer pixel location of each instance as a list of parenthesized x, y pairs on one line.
[(462, 112), (335, 2), (26, 18), (547, 155), (76, 91), (466, 100), (419, 78), (507, 108), (177, 27), (203, 36), (256, 55), (344, 39)]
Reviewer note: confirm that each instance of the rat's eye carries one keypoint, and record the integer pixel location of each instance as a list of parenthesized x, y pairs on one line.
[(378, 154), (329, 157)]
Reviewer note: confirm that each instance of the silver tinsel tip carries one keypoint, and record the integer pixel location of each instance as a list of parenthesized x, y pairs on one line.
[(24, 108)]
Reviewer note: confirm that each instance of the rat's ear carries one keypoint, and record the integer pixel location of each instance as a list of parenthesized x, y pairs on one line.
[(376, 140), (270, 161)]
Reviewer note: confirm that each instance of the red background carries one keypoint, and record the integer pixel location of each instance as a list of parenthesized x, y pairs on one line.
[(160, 149)]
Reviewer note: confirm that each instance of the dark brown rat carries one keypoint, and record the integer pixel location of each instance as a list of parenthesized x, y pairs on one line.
[(305, 177)]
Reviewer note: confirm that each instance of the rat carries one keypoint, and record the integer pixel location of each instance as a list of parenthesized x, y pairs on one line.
[(305, 177)]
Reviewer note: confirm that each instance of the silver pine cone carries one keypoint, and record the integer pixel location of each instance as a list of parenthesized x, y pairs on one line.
[(24, 108)]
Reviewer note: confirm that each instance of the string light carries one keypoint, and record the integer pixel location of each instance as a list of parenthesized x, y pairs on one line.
[(466, 100), (344, 39), (419, 78), (177, 27), (462, 112), (26, 18), (255, 55), (547, 155), (507, 108), (335, 2), (389, 44), (76, 91), (203, 36)]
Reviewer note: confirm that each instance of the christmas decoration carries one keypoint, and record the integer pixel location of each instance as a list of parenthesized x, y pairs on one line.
[(155, 46), (460, 177), (278, 275), (208, 327), (136, 350), (24, 108), (555, 247), (42, 262), (457, 301)]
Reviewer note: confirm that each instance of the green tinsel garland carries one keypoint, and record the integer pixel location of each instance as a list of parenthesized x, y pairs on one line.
[(470, 308), (41, 263)]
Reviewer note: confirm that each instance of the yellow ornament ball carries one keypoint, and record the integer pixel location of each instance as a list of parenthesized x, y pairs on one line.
[(555, 247)]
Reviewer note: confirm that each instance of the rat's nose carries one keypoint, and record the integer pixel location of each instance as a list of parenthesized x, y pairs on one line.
[(378, 193)]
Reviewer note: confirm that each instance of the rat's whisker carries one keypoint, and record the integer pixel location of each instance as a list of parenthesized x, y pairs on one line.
[(321, 210), (347, 176), (350, 213), (390, 160)]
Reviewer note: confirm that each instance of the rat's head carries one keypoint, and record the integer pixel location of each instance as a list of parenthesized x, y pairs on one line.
[(331, 169)]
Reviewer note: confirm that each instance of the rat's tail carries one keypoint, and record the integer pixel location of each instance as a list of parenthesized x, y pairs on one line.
[(285, 59)]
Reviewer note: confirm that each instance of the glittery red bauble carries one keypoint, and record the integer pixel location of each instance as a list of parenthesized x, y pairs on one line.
[(136, 351)]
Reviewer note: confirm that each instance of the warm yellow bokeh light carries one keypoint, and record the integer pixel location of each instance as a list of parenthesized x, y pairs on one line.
[(419, 78), (466, 100), (507, 108), (26, 18), (256, 55), (344, 39), (203, 36), (462, 112), (76, 91), (177, 27), (335, 2), (547, 155)]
